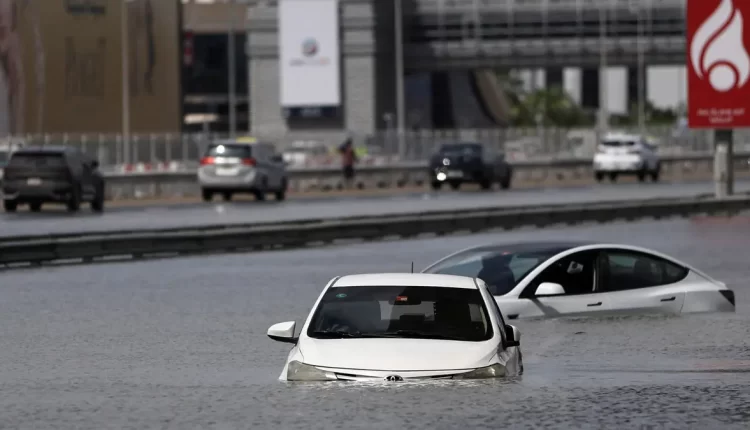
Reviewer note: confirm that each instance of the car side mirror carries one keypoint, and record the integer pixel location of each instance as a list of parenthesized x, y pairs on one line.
[(512, 336), (549, 289), (283, 332)]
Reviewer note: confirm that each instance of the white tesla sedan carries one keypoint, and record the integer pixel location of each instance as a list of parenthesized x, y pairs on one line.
[(401, 326), (546, 280)]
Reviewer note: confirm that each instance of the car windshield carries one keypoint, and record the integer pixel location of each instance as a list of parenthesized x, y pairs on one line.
[(229, 150), (51, 159), (618, 143), (500, 270), (456, 314), (460, 148)]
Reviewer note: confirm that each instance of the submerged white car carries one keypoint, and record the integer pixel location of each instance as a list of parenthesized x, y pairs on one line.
[(546, 280), (401, 326)]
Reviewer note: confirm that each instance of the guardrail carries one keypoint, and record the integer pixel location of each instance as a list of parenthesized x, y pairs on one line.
[(89, 247), (184, 183)]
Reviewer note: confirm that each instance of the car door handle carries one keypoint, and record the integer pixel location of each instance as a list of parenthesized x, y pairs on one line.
[(670, 299), (594, 304)]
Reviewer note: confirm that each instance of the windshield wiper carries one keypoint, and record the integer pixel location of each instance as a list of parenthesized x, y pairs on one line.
[(418, 334)]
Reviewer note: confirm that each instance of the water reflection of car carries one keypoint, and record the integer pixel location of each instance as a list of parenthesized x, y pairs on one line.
[(469, 162), (543, 279), (401, 326)]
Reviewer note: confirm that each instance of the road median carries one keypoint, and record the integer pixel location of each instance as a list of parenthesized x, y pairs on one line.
[(141, 244)]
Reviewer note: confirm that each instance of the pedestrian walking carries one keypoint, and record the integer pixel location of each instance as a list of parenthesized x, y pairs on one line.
[(348, 159)]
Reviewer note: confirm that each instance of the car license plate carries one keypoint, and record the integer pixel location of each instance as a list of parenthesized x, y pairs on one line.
[(455, 174), (34, 181), (226, 171)]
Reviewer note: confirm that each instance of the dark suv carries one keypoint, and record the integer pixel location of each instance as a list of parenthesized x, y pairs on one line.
[(469, 162), (52, 174)]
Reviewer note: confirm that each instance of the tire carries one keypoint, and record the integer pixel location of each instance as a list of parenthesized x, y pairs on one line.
[(655, 174), (97, 204), (599, 176), (485, 184), (281, 193), (227, 196), (455, 185), (506, 181), (613, 177), (10, 205), (207, 195), (436, 185), (74, 202), (642, 176), (35, 206), (260, 195)]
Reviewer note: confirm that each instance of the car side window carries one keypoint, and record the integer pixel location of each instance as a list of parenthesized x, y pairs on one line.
[(628, 270), (576, 273), (500, 318)]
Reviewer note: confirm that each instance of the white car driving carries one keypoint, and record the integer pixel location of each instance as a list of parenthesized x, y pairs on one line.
[(401, 326), (553, 279), (626, 154)]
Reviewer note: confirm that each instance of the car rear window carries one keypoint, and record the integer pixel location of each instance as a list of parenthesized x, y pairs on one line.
[(618, 143), (461, 148), (20, 159), (229, 150)]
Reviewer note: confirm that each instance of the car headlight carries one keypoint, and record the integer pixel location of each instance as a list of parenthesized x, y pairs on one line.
[(494, 371), (297, 371)]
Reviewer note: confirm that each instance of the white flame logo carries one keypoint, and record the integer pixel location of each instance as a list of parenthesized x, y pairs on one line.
[(718, 52)]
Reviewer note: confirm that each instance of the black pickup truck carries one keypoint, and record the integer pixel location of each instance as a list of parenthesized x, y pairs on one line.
[(52, 174), (469, 162)]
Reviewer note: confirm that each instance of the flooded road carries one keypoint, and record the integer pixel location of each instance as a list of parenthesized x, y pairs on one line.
[(181, 344)]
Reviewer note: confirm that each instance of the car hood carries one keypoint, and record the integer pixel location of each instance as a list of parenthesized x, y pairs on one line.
[(397, 354)]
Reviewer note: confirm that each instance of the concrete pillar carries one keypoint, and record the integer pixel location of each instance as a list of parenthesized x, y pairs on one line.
[(723, 163), (555, 77), (590, 88), (442, 101)]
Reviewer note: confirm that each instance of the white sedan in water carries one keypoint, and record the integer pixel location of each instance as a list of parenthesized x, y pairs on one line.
[(401, 326), (551, 279)]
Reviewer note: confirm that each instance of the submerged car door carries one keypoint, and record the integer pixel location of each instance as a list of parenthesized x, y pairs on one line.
[(577, 274), (640, 283)]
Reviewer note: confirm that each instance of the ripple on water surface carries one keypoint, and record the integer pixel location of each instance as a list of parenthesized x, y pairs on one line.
[(181, 344)]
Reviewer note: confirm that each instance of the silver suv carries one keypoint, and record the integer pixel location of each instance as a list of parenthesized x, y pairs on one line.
[(242, 165)]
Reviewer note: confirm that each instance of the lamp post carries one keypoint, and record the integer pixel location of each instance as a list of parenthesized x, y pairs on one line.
[(640, 68), (125, 80), (400, 102), (603, 87), (232, 78)]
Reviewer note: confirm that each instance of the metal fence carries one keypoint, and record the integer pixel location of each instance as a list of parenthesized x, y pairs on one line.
[(159, 150)]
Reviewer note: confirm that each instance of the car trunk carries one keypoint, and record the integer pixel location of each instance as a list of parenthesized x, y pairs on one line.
[(36, 166), (227, 160)]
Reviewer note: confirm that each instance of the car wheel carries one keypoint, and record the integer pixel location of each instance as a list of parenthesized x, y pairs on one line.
[(655, 173), (97, 205), (455, 185), (613, 177), (260, 195), (207, 195), (599, 176), (485, 184), (227, 196), (10, 205), (35, 206), (641, 176), (281, 193), (74, 201), (505, 182), (436, 185)]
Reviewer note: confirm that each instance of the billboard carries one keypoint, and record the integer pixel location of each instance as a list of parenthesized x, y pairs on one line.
[(309, 55), (718, 63), (62, 66)]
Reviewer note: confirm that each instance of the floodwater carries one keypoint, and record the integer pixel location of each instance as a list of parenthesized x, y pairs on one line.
[(181, 343)]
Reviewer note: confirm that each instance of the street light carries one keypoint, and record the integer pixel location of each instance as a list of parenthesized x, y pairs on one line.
[(641, 68), (125, 80), (400, 102), (603, 90)]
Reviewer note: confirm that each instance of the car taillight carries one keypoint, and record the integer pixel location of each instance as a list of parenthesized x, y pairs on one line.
[(248, 161), (207, 160)]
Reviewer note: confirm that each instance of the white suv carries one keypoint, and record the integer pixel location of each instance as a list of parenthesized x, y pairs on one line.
[(626, 154)]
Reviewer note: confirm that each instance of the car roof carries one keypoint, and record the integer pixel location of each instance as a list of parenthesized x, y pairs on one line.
[(529, 246), (248, 140), (622, 136), (405, 280)]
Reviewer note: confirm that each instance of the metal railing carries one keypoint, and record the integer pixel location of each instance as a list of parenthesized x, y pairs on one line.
[(520, 144)]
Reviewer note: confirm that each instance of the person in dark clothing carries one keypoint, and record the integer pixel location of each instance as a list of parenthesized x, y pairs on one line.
[(348, 158)]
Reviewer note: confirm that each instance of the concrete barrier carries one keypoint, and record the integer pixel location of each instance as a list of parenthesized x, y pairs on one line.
[(134, 185), (97, 246)]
